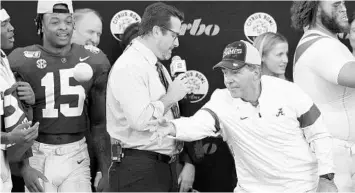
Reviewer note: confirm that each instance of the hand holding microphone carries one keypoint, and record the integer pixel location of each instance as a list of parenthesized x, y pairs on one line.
[(195, 81), (177, 89)]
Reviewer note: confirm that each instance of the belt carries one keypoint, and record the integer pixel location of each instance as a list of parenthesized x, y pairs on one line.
[(59, 139), (153, 155), (59, 150)]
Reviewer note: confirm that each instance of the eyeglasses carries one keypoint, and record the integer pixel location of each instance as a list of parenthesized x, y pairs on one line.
[(176, 34)]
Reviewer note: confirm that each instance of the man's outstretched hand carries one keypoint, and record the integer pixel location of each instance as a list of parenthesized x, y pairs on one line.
[(161, 128)]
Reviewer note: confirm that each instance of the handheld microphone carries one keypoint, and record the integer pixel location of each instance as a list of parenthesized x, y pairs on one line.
[(177, 66)]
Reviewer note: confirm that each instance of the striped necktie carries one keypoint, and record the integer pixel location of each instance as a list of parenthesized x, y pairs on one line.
[(175, 109), (164, 81)]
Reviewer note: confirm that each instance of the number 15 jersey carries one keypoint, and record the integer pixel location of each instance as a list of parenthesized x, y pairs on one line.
[(60, 99)]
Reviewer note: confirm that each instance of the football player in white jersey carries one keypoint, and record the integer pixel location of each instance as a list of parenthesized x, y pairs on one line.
[(18, 135), (352, 33), (324, 68)]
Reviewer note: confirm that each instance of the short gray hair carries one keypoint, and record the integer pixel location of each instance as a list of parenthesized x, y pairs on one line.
[(79, 13), (253, 68)]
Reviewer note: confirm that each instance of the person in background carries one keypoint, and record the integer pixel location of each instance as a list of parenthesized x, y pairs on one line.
[(273, 49), (324, 68), (130, 33), (352, 33), (88, 31), (88, 27), (214, 164), (21, 134)]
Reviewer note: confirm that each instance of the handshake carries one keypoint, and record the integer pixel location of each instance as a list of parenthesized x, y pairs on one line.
[(161, 128)]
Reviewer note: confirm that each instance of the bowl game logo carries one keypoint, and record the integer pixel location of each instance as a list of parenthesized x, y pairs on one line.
[(32, 54), (197, 85), (121, 20), (92, 49), (257, 24)]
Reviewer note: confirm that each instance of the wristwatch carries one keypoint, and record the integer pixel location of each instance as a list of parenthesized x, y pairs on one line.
[(329, 176)]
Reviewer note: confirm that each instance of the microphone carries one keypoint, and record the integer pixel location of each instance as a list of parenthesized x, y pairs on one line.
[(177, 66)]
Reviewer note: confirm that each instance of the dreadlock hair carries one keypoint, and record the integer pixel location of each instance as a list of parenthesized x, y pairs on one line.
[(129, 34), (38, 22), (303, 14)]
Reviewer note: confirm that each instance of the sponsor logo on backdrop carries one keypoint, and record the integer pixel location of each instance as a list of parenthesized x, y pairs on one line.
[(197, 85), (121, 20), (197, 28), (257, 24)]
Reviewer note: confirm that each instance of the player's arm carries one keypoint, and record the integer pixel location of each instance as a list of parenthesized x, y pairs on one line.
[(97, 115), (5, 138), (16, 59), (315, 131), (22, 133), (184, 156), (187, 175), (24, 89), (337, 64), (24, 164), (346, 75)]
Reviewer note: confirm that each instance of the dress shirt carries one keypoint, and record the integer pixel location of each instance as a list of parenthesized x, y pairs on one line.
[(133, 100)]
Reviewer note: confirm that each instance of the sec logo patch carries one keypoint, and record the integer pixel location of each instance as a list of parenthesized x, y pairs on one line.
[(41, 63)]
